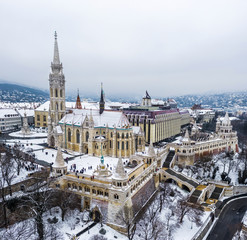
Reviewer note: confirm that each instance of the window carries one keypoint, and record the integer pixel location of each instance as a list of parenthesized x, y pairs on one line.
[(77, 136), (44, 118), (127, 145), (69, 185), (80, 188), (110, 144), (122, 135), (106, 194), (118, 135), (87, 189), (56, 106), (116, 196), (111, 134), (117, 145), (38, 117), (87, 136), (93, 191), (127, 135), (122, 145), (69, 135), (61, 93), (61, 106), (56, 94), (140, 141)]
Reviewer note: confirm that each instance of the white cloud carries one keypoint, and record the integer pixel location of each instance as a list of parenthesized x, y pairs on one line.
[(169, 47)]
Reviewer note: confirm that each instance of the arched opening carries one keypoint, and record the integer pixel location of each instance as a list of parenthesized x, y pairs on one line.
[(69, 135), (56, 93), (87, 136), (206, 197), (86, 150), (61, 93), (77, 136), (52, 141), (134, 162), (61, 106), (185, 188), (170, 180)]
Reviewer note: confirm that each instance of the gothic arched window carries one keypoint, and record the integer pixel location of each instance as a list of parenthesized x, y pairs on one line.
[(77, 136), (87, 136), (61, 93), (56, 106), (122, 135), (56, 93), (127, 145), (122, 145), (61, 106), (69, 135), (127, 135)]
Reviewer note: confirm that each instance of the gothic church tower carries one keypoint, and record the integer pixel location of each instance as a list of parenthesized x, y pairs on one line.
[(57, 94)]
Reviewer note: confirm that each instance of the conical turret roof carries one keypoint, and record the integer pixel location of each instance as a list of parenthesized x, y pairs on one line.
[(59, 162), (151, 151), (119, 171), (226, 119)]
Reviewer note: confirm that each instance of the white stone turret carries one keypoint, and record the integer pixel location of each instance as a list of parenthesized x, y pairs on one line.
[(186, 139), (119, 171), (151, 151), (59, 167)]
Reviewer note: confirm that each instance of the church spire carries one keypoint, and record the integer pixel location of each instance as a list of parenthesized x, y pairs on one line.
[(56, 59), (102, 100), (78, 102)]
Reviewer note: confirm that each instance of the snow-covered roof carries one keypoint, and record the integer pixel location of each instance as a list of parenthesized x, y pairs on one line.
[(110, 118), (45, 106), (136, 129), (157, 102), (29, 112), (8, 113)]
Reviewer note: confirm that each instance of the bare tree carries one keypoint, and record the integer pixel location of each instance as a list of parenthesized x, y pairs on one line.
[(66, 201), (182, 209), (7, 170), (124, 216), (18, 231), (194, 212), (38, 202), (17, 157)]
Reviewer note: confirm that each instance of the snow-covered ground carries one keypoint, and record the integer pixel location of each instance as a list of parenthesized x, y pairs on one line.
[(75, 222), (32, 134)]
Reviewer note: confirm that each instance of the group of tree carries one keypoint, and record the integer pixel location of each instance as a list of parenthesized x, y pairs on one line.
[(161, 217)]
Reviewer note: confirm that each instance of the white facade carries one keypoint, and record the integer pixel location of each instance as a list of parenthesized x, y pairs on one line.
[(9, 120)]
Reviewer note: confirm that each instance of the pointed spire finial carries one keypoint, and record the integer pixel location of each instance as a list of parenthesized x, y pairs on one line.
[(56, 59)]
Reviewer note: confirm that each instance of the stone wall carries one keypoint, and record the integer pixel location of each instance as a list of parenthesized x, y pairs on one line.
[(141, 197)]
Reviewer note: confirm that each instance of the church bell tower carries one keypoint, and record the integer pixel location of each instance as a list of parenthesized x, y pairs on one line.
[(57, 93)]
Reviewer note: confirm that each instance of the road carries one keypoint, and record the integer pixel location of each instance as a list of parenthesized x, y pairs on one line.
[(229, 220)]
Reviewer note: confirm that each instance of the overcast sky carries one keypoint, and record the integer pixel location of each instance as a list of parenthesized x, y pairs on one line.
[(170, 48)]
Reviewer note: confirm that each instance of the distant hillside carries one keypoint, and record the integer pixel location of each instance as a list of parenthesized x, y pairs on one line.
[(222, 100), (16, 93)]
